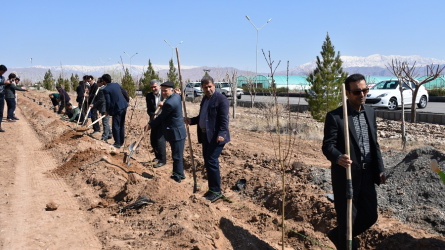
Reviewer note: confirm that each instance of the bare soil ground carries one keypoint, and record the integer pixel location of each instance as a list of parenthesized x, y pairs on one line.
[(43, 160)]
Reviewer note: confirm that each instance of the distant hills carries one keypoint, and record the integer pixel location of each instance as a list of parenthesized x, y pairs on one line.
[(373, 65)]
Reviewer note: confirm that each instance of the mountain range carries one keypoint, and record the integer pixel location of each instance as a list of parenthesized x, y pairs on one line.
[(373, 65)]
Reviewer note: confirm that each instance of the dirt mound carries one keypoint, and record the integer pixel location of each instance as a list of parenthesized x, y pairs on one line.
[(414, 192)]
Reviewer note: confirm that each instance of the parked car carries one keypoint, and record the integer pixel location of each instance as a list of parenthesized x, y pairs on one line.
[(226, 89), (387, 94), (193, 89)]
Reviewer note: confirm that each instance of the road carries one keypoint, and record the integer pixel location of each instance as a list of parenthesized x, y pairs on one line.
[(432, 107)]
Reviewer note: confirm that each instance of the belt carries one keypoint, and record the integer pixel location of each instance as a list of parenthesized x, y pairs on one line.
[(365, 165), (203, 130)]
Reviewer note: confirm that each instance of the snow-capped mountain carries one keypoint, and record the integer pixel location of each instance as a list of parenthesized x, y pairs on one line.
[(371, 65)]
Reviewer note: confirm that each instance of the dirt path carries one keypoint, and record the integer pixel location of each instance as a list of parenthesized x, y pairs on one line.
[(26, 188)]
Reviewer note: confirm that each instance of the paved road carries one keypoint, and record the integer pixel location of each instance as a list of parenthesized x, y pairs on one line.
[(433, 107)]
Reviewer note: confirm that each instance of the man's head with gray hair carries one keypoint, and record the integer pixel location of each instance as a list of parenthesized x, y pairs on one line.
[(155, 86)]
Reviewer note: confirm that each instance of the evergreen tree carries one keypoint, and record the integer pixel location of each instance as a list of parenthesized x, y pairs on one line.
[(172, 75), (149, 75), (74, 81), (67, 85), (128, 84), (48, 80), (325, 81)]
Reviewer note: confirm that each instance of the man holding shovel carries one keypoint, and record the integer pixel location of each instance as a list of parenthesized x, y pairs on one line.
[(116, 99), (365, 161), (213, 133), (154, 101), (173, 128), (99, 104)]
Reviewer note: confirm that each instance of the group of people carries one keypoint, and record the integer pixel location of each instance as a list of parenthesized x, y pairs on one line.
[(8, 90), (102, 97), (167, 124)]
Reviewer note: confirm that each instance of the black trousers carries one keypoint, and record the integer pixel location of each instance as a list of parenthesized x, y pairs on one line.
[(2, 107), (118, 128), (364, 207), (157, 142), (96, 126)]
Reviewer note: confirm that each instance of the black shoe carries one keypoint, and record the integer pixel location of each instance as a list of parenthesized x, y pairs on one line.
[(214, 196), (207, 194), (117, 145), (155, 160), (15, 118), (10, 120), (1, 130), (159, 164), (110, 136), (176, 178), (333, 237)]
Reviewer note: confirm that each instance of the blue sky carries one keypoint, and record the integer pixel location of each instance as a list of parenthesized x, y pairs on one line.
[(214, 33)]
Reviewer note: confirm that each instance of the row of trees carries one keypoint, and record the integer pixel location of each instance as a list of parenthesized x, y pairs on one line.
[(127, 81)]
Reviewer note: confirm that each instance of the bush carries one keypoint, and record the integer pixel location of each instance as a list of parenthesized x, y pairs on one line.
[(267, 90), (437, 92)]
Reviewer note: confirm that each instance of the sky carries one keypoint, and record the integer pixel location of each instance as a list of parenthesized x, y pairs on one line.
[(214, 33)]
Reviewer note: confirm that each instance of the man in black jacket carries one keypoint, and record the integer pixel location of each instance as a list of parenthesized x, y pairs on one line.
[(64, 98), (157, 140), (3, 84), (100, 105), (10, 97), (365, 160), (81, 90), (91, 96)]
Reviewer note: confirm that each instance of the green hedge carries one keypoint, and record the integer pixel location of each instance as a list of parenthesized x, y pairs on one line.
[(267, 90)]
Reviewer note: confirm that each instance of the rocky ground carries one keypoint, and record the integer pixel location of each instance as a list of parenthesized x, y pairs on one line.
[(103, 186)]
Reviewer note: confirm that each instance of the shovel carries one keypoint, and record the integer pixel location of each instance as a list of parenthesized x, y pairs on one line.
[(133, 147), (89, 126)]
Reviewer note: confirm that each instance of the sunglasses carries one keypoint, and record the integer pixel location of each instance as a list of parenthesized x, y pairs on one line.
[(359, 91)]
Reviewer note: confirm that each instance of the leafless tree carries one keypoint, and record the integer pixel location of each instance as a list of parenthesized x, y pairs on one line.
[(396, 68), (251, 87), (232, 79), (432, 72), (285, 142)]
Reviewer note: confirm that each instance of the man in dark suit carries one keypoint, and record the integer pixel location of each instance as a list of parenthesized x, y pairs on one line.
[(91, 97), (213, 133), (173, 128), (116, 99), (100, 105), (157, 140), (365, 160)]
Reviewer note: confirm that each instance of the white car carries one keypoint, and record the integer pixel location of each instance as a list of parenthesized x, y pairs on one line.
[(226, 89), (387, 94), (193, 89)]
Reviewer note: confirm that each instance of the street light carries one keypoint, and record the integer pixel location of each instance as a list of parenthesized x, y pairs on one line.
[(130, 58), (256, 58), (173, 48)]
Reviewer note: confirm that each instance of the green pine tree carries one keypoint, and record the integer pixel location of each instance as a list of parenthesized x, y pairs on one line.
[(149, 75), (172, 75), (325, 81), (74, 79), (128, 84), (48, 80)]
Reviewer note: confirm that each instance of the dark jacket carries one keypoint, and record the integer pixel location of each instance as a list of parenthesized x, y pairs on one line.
[(151, 104), (80, 91), (334, 145), (116, 98), (92, 92), (171, 119), (217, 119), (10, 90), (99, 102), (2, 86), (64, 97)]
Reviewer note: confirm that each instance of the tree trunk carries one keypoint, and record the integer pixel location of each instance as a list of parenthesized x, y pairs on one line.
[(413, 104)]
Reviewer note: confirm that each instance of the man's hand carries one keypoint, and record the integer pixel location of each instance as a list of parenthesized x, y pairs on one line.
[(382, 178), (187, 120), (344, 161), (85, 94), (27, 90), (7, 82), (177, 91), (147, 127), (91, 105), (219, 139)]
